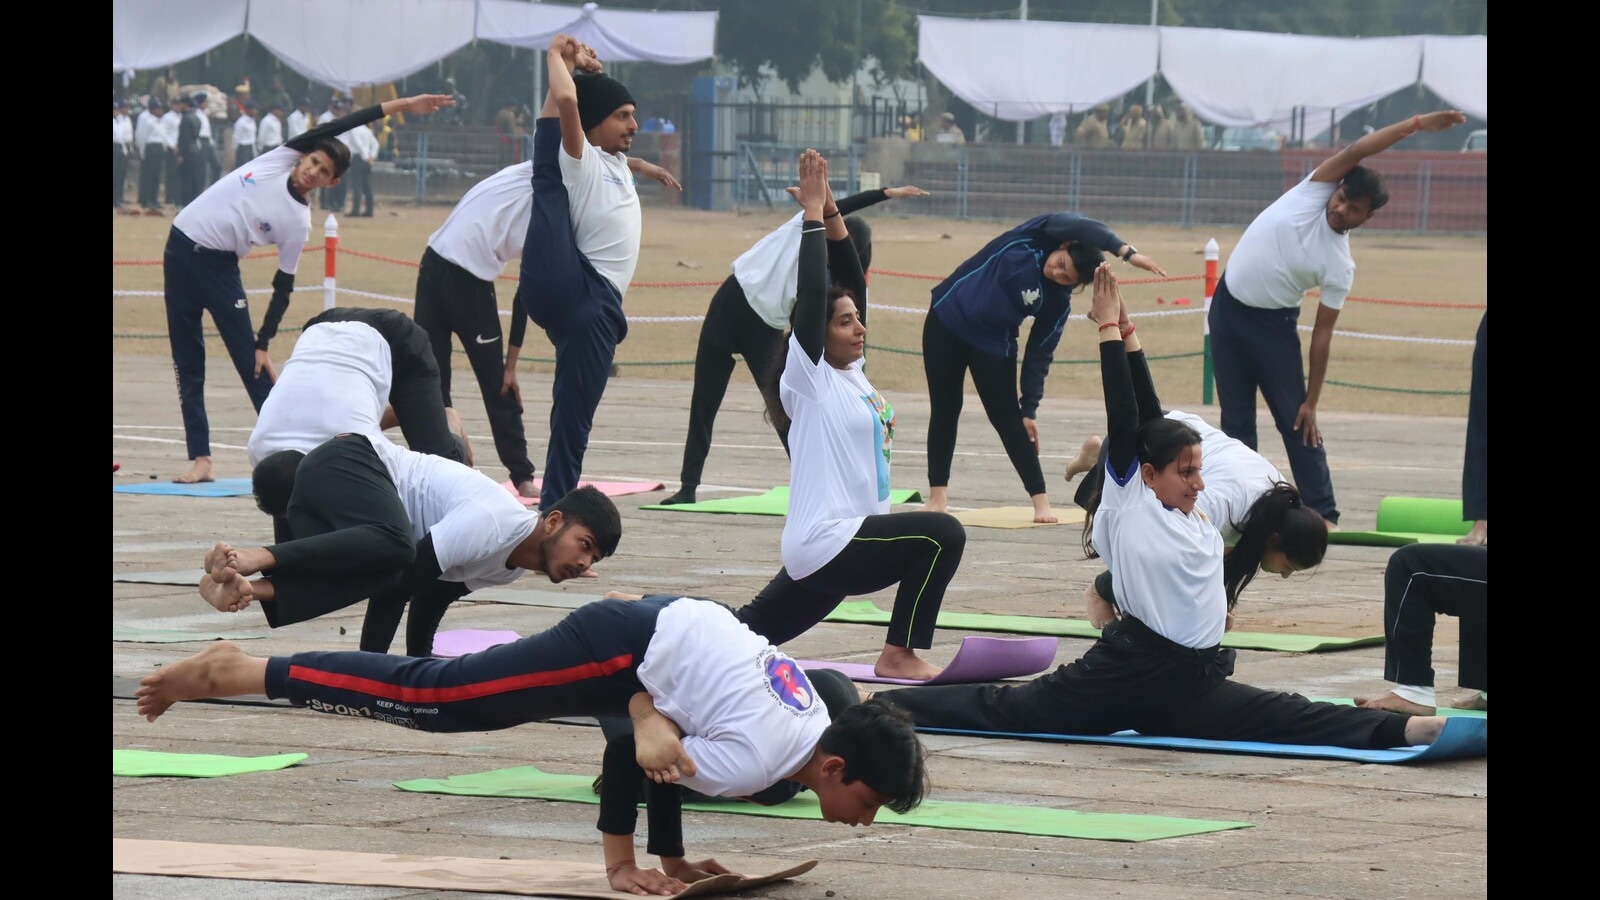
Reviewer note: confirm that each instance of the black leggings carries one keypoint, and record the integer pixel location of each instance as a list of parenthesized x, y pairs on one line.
[(1134, 678), (1421, 583), (918, 550), (946, 358), (731, 327)]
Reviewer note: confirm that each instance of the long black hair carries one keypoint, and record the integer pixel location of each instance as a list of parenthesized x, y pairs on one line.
[(776, 416), (1278, 520), (1160, 441)]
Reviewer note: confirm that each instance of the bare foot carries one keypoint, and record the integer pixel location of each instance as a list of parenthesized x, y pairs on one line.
[(589, 573), (228, 591), (1396, 703), (219, 557), (1042, 514), (1423, 730), (528, 489), (938, 500), (199, 471), (452, 420), (1332, 525), (1478, 536), (1475, 700), (618, 595), (220, 670), (903, 662), (1088, 455)]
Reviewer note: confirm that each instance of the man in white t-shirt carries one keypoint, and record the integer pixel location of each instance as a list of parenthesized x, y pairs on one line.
[(716, 708), (258, 204), (269, 130), (1300, 242), (359, 517), (582, 245)]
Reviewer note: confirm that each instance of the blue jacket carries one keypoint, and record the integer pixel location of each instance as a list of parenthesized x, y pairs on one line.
[(985, 300)]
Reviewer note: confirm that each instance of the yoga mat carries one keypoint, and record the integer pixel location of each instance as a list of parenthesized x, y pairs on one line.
[(609, 488), (773, 503), (977, 659), (469, 640), (1463, 737), (184, 577), (1409, 520), (527, 877), (222, 487), (527, 781), (148, 763), (1447, 711), (862, 612), (1015, 517), (132, 634)]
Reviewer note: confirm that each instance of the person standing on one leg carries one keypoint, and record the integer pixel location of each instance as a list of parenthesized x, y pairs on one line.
[(582, 245), (455, 295), (1475, 473), (262, 203), (1300, 242), (1421, 583)]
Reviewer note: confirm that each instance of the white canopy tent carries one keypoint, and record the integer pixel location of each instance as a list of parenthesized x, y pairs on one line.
[(148, 35), (617, 35), (1457, 69)]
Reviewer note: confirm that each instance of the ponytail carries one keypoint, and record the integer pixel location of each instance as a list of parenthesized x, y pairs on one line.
[(1278, 520)]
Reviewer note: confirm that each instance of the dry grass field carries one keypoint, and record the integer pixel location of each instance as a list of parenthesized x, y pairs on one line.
[(682, 245)]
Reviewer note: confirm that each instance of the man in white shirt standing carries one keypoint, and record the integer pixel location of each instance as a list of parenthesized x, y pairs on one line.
[(244, 135), (147, 137), (363, 151), (1301, 241), (269, 131), (582, 245), (121, 149), (299, 120)]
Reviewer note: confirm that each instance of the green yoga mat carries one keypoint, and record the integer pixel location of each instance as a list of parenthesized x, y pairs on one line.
[(147, 763), (527, 781), (862, 612), (773, 503), (1409, 520), (1446, 711)]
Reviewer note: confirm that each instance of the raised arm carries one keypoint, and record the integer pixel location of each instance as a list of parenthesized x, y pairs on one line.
[(421, 104), (566, 53), (1122, 412), (859, 201), (811, 297), (1073, 228), (1144, 384), (844, 265), (1337, 166)]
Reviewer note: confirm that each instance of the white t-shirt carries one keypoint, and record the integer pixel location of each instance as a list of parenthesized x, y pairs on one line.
[(769, 273), (251, 207), (269, 133), (169, 128), (336, 381), (1167, 565), (606, 220), (363, 143), (475, 522), (840, 440), (298, 123), (486, 229), (1235, 476), (244, 132), (749, 715), (1289, 249)]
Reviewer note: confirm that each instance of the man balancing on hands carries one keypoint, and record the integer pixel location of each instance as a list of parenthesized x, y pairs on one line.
[(260, 203), (715, 708)]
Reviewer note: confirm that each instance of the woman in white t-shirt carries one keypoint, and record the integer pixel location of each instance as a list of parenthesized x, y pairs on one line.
[(840, 538), (1159, 669)]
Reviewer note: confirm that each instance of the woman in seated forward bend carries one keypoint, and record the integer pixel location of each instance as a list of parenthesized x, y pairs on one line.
[(1159, 669)]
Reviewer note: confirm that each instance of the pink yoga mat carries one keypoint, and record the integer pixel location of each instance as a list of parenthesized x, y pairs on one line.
[(609, 488), (977, 659), (448, 644)]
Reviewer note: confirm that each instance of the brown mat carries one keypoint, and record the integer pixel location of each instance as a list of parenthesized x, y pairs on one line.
[(528, 877)]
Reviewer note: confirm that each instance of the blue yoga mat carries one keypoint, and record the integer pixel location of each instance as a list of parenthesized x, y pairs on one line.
[(222, 487), (1463, 737)]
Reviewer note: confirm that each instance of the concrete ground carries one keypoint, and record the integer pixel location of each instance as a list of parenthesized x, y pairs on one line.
[(1321, 828)]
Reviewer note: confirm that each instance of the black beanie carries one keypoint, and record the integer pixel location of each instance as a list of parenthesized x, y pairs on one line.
[(599, 95)]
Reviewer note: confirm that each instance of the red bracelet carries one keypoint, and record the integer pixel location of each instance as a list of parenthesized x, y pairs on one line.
[(1131, 329), (1107, 325)]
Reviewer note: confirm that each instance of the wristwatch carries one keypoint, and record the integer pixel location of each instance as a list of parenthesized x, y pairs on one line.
[(1129, 255)]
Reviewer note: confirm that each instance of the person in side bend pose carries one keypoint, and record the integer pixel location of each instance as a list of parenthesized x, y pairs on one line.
[(715, 708), (1158, 669), (1422, 582), (1301, 241), (358, 370), (1030, 270), (748, 316), (261, 203), (1264, 525), (455, 295), (839, 538), (359, 517), (582, 245)]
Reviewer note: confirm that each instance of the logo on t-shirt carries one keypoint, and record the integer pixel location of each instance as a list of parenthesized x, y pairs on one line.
[(1030, 297), (788, 683), (883, 437), (265, 226), (247, 178)]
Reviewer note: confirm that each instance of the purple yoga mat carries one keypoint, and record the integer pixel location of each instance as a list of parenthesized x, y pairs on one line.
[(977, 659), (469, 640)]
